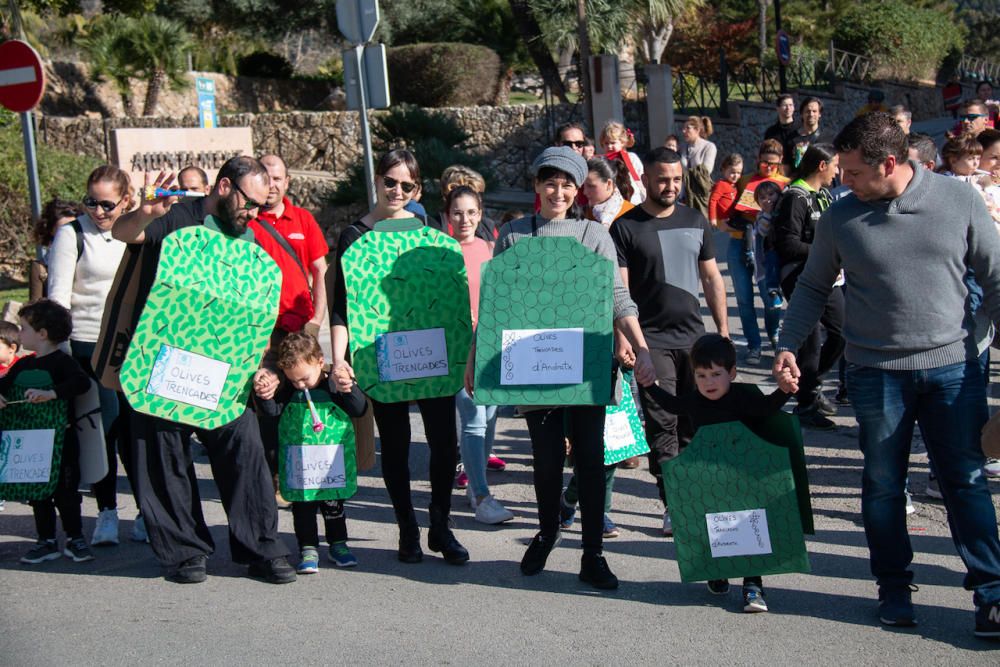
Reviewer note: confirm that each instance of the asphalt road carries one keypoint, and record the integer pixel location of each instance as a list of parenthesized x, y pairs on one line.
[(118, 609)]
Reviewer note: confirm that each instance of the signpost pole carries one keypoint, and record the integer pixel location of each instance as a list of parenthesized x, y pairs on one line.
[(366, 141), (31, 160)]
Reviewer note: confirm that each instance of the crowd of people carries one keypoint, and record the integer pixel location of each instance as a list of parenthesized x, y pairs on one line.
[(870, 249)]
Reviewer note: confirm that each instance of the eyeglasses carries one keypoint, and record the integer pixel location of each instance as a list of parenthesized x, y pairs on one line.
[(391, 183), (574, 144), (762, 163), (92, 204), (249, 204), (969, 117)]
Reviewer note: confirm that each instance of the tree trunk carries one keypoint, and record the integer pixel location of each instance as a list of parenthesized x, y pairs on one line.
[(153, 87), (583, 40), (762, 24), (655, 40), (502, 95), (531, 33)]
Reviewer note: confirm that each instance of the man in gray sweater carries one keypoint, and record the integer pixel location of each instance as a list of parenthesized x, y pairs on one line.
[(905, 239)]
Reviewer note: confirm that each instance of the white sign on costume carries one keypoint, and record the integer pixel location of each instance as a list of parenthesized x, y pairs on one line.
[(187, 377), (310, 467), (541, 356), (618, 431), (26, 456), (741, 533), (410, 355)]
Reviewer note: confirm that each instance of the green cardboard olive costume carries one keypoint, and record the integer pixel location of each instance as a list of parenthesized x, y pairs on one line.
[(737, 507), (31, 441), (316, 464), (409, 317), (544, 335), (203, 330)]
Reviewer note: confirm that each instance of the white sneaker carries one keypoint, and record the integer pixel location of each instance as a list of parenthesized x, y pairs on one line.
[(3, 505), (668, 525), (106, 531), (992, 468), (139, 533), (492, 512), (910, 509)]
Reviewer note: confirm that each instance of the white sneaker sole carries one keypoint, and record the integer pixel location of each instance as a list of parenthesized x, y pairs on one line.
[(36, 561), (77, 559)]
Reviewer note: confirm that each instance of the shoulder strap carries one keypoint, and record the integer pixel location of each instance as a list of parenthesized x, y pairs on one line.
[(78, 228), (283, 242)]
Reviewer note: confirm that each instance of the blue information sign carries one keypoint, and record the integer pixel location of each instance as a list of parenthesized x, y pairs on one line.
[(206, 102)]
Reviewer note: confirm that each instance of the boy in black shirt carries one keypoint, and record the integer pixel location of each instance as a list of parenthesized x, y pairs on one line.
[(718, 400), (44, 325)]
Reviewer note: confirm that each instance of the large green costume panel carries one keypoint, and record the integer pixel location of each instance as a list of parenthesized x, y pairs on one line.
[(31, 441), (409, 318), (203, 329), (735, 511), (545, 313), (316, 464)]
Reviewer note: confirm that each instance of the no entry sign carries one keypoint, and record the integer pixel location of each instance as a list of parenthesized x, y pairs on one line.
[(22, 80)]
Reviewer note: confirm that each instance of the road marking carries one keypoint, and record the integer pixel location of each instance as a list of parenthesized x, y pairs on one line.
[(17, 75)]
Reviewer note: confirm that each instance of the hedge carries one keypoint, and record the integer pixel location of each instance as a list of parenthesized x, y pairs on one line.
[(443, 74)]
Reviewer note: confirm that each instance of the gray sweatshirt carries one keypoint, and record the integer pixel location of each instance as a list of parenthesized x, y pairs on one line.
[(592, 234), (904, 261)]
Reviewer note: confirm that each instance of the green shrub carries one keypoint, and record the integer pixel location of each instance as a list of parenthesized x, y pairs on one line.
[(265, 65), (60, 174), (443, 74), (905, 41)]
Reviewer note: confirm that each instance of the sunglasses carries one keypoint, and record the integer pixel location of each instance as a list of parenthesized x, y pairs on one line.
[(574, 144), (969, 117), (768, 164), (108, 206), (391, 183), (249, 204)]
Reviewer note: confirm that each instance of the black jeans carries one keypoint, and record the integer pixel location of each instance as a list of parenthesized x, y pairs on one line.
[(304, 519), (817, 356), (168, 489), (665, 431), (584, 426), (393, 420), (66, 498)]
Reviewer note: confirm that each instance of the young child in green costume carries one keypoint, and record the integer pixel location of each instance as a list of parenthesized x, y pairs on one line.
[(300, 358), (719, 400), (44, 325)]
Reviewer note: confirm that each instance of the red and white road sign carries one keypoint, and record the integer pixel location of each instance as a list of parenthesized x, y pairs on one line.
[(22, 79)]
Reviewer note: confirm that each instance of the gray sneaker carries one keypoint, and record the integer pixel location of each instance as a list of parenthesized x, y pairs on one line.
[(77, 549), (43, 551), (753, 357)]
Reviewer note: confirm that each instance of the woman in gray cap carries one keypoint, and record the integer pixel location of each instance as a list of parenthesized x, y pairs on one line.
[(558, 174)]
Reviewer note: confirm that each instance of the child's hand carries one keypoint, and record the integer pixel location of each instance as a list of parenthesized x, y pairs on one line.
[(265, 383), (39, 395), (787, 383), (342, 378)]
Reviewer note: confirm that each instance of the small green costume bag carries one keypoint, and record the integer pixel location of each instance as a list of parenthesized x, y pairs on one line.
[(624, 436), (316, 463), (204, 328), (408, 312), (31, 440)]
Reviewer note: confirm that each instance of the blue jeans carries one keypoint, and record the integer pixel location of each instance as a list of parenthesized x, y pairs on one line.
[(478, 426), (743, 284), (949, 405)]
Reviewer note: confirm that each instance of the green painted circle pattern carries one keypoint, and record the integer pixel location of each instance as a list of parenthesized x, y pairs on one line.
[(627, 406), (29, 416), (407, 281), (545, 273), (214, 296), (296, 428), (728, 468)]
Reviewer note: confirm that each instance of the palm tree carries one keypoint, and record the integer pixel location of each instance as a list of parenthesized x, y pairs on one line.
[(162, 46), (109, 50)]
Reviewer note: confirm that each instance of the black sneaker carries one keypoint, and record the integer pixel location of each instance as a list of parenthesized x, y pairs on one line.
[(41, 552), (538, 552), (718, 586), (594, 570), (895, 606), (813, 420), (77, 549), (988, 621), (273, 571), (824, 406), (191, 571)]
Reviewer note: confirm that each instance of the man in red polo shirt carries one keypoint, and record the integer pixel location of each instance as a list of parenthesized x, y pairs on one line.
[(303, 234)]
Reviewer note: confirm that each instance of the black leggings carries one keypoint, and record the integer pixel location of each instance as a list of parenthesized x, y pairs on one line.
[(304, 519), (817, 356), (584, 426), (66, 498), (393, 420)]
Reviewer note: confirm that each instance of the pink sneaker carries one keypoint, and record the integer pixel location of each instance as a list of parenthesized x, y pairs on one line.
[(496, 463), (461, 479)]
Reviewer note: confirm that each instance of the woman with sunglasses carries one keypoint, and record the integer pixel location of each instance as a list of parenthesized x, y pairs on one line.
[(82, 262), (740, 270), (558, 174), (397, 180)]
